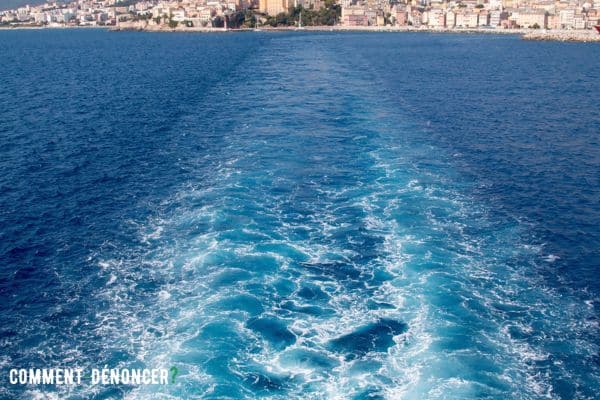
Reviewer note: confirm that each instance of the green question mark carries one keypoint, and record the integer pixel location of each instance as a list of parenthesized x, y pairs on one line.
[(174, 372)]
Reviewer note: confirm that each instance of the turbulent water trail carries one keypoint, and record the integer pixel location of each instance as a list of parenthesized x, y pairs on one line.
[(327, 250)]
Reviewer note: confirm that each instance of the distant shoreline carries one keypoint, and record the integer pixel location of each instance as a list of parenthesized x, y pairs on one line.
[(57, 27), (526, 34)]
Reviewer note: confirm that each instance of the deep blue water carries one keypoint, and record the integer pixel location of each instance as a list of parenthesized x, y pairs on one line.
[(306, 216)]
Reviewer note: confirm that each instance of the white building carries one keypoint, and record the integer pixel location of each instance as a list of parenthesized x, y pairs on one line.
[(495, 4), (483, 19), (578, 21), (565, 18), (450, 19), (178, 15), (467, 19), (436, 18)]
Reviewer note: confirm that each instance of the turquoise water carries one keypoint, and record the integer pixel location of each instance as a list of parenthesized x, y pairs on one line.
[(314, 215)]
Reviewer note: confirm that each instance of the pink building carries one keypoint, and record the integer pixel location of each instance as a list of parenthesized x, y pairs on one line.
[(508, 24), (401, 18)]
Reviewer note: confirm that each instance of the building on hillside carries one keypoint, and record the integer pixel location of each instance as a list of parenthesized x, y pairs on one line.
[(547, 5), (371, 16), (495, 4), (593, 18), (436, 18), (566, 17), (467, 19), (401, 18), (178, 15), (497, 16), (354, 16), (450, 19), (310, 4), (483, 19), (553, 22), (415, 17), (530, 18), (578, 21), (508, 24), (274, 7)]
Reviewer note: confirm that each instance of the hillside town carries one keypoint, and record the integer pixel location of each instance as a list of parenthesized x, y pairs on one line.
[(431, 14)]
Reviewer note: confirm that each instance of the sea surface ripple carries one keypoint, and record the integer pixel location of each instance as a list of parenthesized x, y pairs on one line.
[(301, 215)]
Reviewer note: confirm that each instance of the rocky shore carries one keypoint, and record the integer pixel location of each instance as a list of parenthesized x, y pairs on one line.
[(151, 27), (563, 36)]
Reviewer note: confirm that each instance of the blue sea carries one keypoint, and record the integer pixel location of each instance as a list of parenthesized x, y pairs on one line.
[(301, 215)]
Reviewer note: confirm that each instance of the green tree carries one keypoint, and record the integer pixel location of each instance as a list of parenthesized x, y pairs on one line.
[(236, 20), (218, 22), (125, 3), (328, 15), (250, 19), (282, 19)]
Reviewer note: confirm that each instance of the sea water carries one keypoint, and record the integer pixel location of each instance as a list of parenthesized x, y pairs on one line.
[(301, 215)]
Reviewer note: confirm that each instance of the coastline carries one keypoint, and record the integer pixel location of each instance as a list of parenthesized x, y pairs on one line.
[(298, 213), (525, 34), (57, 27)]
